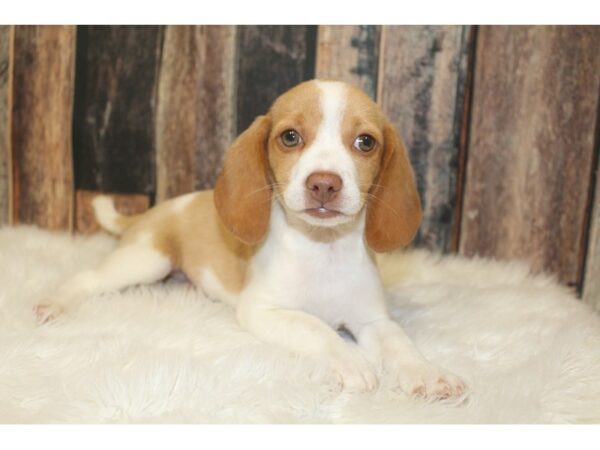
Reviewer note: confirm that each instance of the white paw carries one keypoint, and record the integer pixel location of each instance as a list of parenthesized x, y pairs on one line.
[(46, 312), (427, 381), (353, 372)]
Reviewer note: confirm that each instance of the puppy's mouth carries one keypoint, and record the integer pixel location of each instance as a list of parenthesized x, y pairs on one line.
[(323, 213)]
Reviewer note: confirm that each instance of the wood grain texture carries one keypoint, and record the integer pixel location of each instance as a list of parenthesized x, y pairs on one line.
[(44, 59), (196, 107), (271, 59), (85, 221), (531, 146), (591, 286), (349, 53), (421, 85), (591, 282), (117, 70), (6, 47), (463, 140)]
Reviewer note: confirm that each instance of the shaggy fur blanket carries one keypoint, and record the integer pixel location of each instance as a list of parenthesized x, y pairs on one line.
[(528, 349)]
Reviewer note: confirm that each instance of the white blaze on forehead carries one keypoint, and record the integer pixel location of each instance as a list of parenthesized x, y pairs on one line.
[(333, 104)]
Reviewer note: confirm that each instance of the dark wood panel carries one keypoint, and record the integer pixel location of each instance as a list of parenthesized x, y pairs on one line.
[(85, 220), (196, 107), (41, 125), (349, 53), (465, 93), (421, 88), (117, 69), (271, 59), (6, 43), (531, 146)]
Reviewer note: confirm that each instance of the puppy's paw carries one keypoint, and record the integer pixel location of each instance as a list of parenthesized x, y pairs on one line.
[(353, 372), (46, 312), (427, 381)]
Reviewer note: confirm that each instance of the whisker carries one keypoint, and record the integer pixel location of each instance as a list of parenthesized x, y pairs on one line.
[(363, 185), (382, 202), (268, 186)]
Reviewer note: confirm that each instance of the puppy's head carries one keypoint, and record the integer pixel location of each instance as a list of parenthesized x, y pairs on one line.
[(325, 151)]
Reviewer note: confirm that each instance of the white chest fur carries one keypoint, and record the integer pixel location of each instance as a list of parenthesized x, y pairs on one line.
[(334, 279)]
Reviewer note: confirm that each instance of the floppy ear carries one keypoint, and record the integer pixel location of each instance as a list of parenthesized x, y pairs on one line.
[(242, 194), (394, 208)]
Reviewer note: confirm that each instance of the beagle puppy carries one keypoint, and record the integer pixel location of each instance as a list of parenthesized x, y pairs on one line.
[(306, 196)]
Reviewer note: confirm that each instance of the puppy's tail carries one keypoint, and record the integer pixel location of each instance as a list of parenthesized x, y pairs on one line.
[(108, 217)]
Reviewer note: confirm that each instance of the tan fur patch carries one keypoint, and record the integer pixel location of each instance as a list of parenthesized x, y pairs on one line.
[(195, 239), (242, 194)]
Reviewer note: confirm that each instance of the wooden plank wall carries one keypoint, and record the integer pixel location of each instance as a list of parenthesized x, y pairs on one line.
[(591, 282), (499, 122), (591, 286), (422, 79), (270, 60), (349, 53), (531, 146), (116, 85), (42, 97), (6, 47), (196, 107)]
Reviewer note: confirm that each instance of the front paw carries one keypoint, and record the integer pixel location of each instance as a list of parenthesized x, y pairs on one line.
[(353, 372), (427, 381), (46, 312)]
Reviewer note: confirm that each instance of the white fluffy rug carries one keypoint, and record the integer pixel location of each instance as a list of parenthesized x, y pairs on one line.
[(528, 349)]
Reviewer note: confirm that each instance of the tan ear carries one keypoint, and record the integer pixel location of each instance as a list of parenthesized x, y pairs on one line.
[(394, 208), (242, 193)]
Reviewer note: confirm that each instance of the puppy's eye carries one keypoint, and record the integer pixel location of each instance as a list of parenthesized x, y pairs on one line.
[(364, 143), (290, 138)]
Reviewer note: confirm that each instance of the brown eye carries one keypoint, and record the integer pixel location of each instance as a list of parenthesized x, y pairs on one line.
[(290, 138), (364, 143)]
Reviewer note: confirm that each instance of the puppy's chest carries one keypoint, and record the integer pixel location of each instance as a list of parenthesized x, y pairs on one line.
[(322, 279)]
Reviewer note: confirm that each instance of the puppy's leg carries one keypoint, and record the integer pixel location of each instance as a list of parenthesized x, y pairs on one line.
[(415, 375), (130, 264), (305, 334)]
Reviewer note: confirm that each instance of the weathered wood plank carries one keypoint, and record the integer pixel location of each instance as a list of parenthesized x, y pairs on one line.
[(463, 139), (531, 146), (196, 107), (271, 59), (6, 48), (85, 221), (591, 286), (117, 70), (421, 85), (41, 125), (349, 53)]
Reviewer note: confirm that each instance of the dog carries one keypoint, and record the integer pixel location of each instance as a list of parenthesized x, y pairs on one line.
[(307, 195)]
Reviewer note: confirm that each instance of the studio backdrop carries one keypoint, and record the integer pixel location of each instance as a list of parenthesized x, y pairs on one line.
[(501, 123)]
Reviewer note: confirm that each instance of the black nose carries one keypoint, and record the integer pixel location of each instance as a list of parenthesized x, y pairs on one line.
[(323, 186)]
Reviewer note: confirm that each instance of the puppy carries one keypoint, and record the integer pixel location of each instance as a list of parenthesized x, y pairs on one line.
[(307, 194)]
